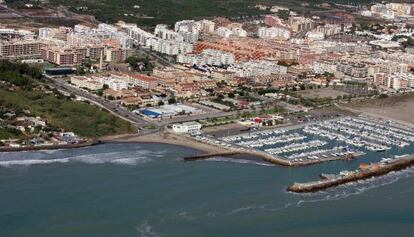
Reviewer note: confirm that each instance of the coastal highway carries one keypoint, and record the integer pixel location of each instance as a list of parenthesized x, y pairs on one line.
[(110, 106)]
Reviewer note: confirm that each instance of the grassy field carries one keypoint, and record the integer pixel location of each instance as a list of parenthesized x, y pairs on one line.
[(83, 119), (20, 90)]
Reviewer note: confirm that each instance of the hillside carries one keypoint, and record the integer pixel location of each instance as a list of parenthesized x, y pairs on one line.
[(169, 11)]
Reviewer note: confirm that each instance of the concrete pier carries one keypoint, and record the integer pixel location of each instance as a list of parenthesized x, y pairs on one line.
[(210, 155)]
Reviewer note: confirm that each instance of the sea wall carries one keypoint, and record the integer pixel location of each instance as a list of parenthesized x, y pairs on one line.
[(315, 186)]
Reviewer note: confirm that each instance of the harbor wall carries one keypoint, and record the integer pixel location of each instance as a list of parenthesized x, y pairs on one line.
[(315, 186)]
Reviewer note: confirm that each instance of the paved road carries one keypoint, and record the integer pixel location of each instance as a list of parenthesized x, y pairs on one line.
[(109, 105), (160, 59)]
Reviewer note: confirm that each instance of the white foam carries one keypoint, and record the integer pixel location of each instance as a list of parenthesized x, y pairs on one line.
[(130, 161), (32, 162), (119, 158), (146, 230)]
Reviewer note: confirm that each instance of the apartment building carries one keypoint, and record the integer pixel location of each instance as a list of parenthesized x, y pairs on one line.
[(21, 49), (353, 69), (397, 81), (257, 68), (279, 33), (143, 81), (298, 23), (86, 82), (169, 47), (64, 56), (207, 57)]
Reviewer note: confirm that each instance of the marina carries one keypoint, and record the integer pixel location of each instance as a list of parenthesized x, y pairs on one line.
[(343, 138)]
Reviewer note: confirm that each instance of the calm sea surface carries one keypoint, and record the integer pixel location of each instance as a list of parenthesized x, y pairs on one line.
[(147, 190)]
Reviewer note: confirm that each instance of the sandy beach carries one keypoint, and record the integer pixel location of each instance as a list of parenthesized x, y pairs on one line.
[(166, 137)]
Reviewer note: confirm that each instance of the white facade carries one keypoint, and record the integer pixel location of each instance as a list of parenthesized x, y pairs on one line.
[(207, 26), (224, 32), (139, 36), (207, 57), (44, 32), (189, 128), (257, 68), (169, 47), (273, 33), (86, 82), (239, 32), (315, 35), (187, 26)]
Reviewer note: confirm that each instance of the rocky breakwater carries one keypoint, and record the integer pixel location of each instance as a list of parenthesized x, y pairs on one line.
[(364, 172)]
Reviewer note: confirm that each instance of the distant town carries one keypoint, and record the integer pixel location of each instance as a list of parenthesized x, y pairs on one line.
[(211, 80)]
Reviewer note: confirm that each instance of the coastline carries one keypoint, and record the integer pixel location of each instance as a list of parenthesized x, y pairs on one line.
[(164, 138), (50, 147), (158, 137)]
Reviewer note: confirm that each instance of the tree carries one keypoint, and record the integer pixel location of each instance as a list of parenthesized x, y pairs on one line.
[(283, 14), (172, 101)]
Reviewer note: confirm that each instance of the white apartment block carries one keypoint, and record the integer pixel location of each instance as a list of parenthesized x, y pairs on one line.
[(187, 26), (112, 82), (139, 36), (224, 32), (323, 66), (239, 32), (328, 29), (257, 68), (163, 32), (274, 33), (44, 32), (311, 35), (86, 82), (188, 127), (207, 57), (169, 47), (207, 26)]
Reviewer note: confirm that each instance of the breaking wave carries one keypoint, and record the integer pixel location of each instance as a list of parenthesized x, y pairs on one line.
[(118, 158), (146, 230)]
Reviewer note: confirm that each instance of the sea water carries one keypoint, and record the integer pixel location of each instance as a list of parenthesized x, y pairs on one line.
[(147, 190)]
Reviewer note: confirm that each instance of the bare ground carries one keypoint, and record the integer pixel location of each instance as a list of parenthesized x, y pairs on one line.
[(399, 108)]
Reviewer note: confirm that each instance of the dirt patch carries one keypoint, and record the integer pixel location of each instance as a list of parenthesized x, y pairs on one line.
[(399, 108), (321, 93)]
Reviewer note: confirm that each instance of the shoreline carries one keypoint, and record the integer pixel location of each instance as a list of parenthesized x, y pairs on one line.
[(202, 150), (51, 147), (165, 138)]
